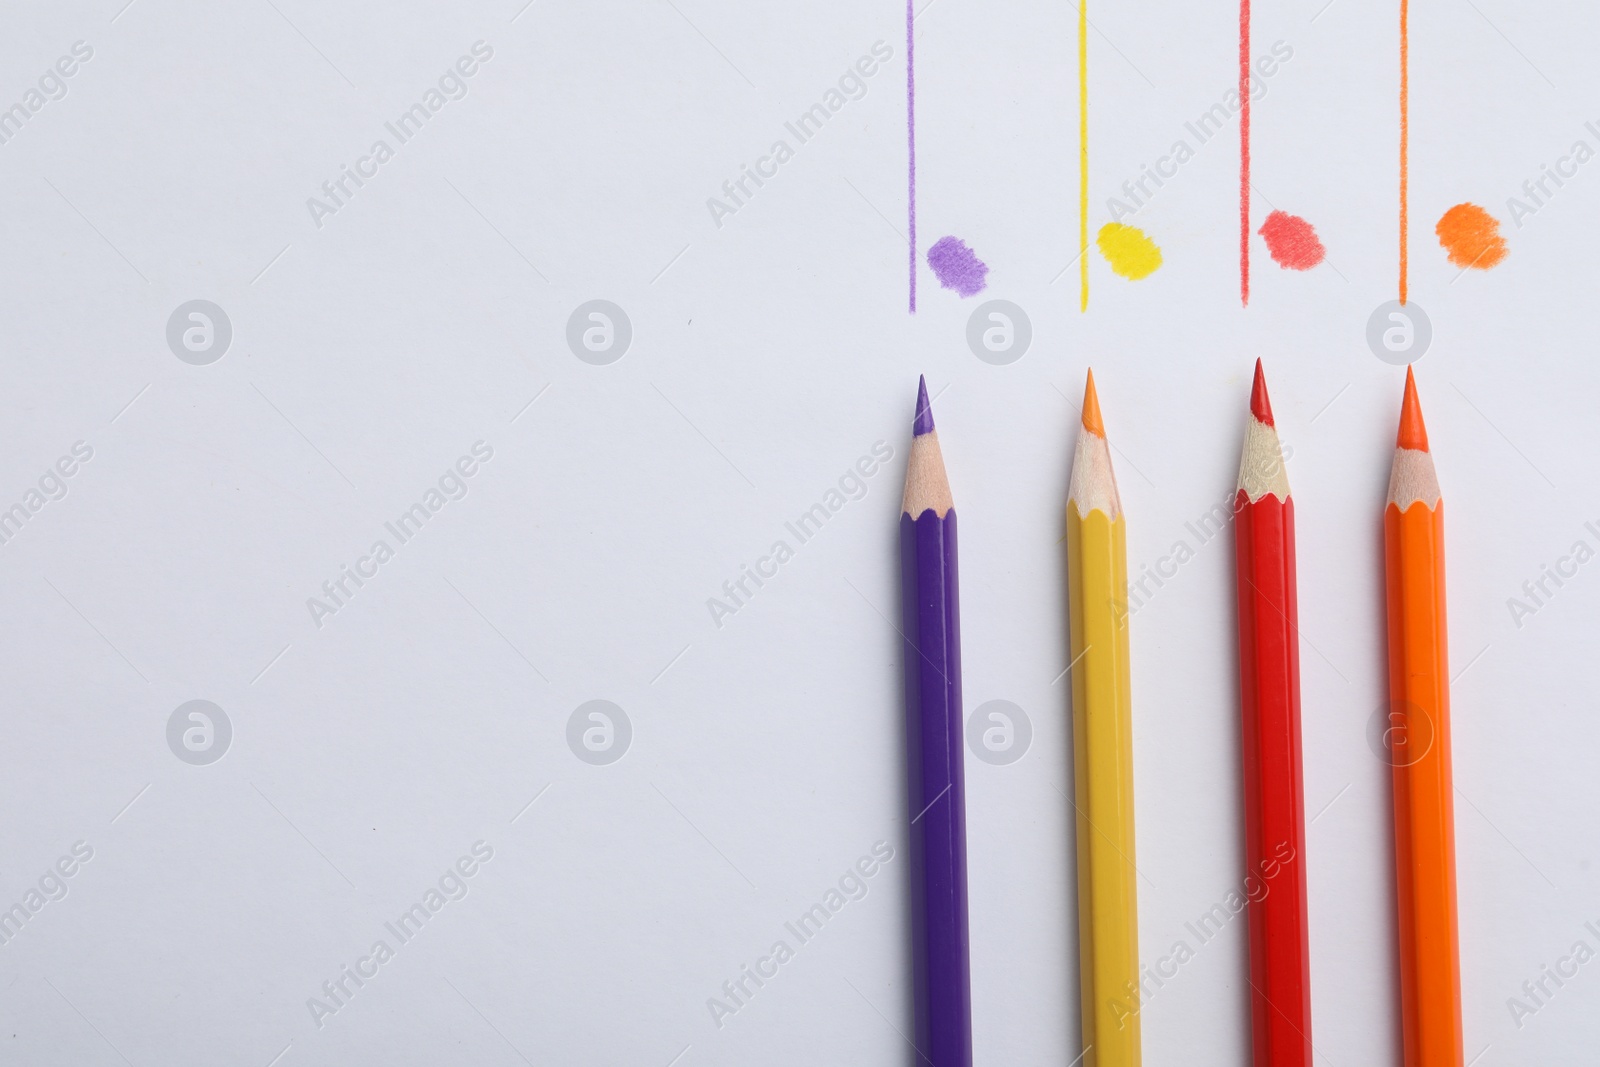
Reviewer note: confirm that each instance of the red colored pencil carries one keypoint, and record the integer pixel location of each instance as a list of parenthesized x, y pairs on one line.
[(1269, 685)]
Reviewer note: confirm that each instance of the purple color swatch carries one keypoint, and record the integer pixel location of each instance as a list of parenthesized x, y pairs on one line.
[(923, 423), (957, 266), (911, 144), (940, 949)]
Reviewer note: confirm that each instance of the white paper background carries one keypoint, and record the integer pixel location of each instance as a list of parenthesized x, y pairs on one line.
[(768, 355)]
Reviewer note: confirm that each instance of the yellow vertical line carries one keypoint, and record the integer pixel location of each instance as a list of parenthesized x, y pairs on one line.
[(1083, 155)]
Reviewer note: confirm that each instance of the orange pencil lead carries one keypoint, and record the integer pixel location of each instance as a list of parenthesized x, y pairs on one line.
[(1413, 434), (1260, 406), (1091, 409)]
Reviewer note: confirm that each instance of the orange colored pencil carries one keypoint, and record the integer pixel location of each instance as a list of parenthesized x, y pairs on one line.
[(1419, 739)]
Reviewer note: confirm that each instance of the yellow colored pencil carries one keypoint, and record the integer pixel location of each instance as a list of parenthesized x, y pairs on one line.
[(1102, 751)]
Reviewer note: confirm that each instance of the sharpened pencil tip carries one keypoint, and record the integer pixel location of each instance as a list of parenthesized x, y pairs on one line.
[(1091, 408), (1413, 434), (923, 423), (1260, 405)]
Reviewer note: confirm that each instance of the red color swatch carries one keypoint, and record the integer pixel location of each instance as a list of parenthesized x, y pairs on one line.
[(1292, 241)]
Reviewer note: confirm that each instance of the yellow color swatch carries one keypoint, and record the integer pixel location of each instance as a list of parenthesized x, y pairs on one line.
[(1130, 253)]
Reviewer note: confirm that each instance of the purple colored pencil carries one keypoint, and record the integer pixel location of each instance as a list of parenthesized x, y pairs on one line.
[(942, 995)]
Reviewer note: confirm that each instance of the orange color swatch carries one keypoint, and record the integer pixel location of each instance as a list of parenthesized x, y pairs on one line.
[(1471, 236)]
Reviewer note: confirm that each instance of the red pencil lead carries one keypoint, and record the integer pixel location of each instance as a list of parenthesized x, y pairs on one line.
[(1413, 434), (1260, 406)]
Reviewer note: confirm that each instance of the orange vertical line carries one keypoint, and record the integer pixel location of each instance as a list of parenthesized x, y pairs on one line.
[(1405, 137)]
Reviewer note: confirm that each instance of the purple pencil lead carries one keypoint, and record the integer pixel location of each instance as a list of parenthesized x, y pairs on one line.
[(924, 420)]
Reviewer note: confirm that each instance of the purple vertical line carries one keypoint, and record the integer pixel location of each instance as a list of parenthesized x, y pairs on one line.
[(911, 145)]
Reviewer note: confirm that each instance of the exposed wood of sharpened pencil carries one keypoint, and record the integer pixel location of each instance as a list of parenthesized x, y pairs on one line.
[(927, 485)]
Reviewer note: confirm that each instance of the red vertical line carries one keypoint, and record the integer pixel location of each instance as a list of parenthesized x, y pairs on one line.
[(911, 147), (1405, 138), (1244, 152)]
